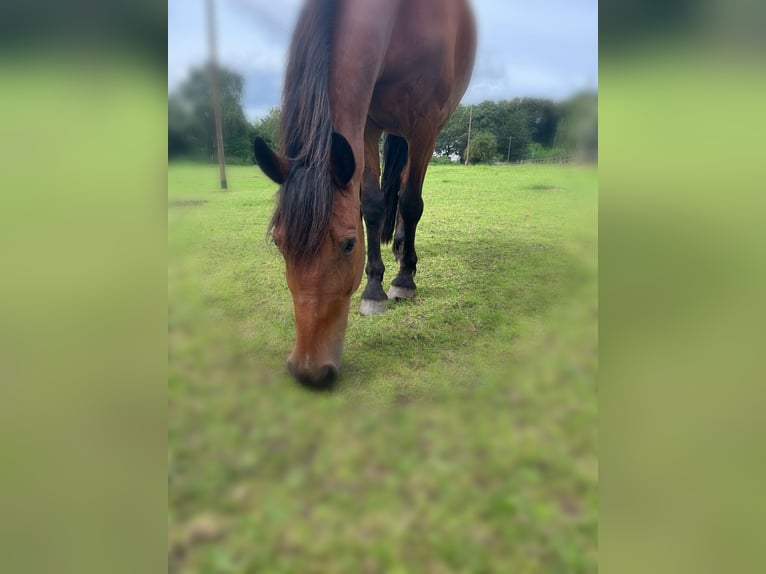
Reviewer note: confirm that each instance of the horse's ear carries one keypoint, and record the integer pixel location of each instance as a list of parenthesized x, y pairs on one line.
[(342, 164), (273, 165)]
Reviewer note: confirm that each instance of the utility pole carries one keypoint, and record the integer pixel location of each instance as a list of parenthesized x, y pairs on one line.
[(509, 148), (214, 92), (468, 145)]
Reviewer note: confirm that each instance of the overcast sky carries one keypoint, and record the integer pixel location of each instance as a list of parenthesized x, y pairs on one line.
[(546, 48)]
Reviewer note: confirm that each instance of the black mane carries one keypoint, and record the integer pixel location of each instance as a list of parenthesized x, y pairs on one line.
[(305, 200)]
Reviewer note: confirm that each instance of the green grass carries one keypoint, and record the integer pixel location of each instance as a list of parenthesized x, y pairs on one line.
[(462, 434)]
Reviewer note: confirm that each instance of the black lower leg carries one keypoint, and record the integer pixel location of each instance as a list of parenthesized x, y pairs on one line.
[(398, 239), (373, 210), (411, 208)]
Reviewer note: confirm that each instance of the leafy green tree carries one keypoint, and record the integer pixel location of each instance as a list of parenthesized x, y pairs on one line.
[(268, 128), (534, 127), (181, 142), (578, 129), (454, 136), (483, 147), (192, 116), (487, 117), (542, 117), (515, 125), (520, 122)]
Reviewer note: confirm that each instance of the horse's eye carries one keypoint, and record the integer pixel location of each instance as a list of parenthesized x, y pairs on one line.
[(348, 246), (276, 242)]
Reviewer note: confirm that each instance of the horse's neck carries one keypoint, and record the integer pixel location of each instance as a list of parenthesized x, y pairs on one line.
[(362, 33)]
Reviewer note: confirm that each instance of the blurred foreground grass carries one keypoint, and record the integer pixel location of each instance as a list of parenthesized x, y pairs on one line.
[(462, 436), (261, 473), (682, 278), (82, 310)]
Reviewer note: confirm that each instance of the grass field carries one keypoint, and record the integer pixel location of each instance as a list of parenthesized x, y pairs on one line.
[(462, 434)]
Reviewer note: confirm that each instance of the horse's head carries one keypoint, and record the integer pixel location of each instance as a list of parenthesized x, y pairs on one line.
[(317, 227)]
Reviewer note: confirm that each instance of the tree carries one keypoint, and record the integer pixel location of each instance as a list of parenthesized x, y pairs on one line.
[(454, 136), (268, 128), (514, 124), (525, 120), (483, 147), (180, 140), (578, 129), (192, 116), (542, 117)]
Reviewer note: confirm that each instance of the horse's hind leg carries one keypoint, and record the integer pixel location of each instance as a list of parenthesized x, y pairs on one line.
[(374, 299), (398, 242), (410, 209)]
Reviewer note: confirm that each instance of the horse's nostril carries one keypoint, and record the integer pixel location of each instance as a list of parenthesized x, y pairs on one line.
[(323, 377), (327, 375)]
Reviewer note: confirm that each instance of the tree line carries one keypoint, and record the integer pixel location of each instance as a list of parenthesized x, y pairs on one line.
[(509, 130)]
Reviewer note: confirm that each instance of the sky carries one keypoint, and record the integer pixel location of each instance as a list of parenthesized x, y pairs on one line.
[(535, 48)]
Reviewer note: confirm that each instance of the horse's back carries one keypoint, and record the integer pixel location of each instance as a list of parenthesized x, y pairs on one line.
[(427, 66)]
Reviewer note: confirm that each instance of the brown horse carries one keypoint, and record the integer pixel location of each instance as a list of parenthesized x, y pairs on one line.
[(356, 69)]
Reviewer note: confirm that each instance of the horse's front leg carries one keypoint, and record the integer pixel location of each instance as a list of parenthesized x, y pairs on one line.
[(374, 298)]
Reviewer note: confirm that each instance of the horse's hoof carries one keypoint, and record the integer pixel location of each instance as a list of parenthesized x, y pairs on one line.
[(373, 307), (398, 293)]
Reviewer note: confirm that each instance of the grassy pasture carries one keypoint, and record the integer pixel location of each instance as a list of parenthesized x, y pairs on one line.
[(462, 434)]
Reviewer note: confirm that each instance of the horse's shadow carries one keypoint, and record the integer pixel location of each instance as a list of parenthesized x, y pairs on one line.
[(489, 282)]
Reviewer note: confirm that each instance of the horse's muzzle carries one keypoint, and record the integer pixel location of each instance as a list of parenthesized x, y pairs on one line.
[(320, 378)]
